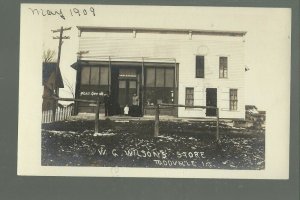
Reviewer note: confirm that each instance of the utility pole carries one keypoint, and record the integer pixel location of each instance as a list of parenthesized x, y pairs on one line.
[(60, 37)]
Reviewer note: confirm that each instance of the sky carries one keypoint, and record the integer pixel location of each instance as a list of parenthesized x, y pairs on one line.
[(267, 42)]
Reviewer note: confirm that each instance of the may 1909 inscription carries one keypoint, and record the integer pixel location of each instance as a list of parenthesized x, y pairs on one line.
[(64, 13)]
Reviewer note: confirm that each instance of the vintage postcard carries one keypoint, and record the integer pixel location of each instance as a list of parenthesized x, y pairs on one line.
[(154, 91)]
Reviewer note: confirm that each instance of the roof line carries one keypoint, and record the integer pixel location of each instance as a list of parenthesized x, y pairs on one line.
[(159, 30)]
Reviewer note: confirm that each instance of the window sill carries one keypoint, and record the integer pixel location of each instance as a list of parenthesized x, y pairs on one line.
[(191, 109), (228, 110)]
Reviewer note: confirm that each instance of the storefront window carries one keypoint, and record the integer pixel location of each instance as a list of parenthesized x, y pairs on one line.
[(160, 77), (150, 77), (85, 75), (91, 75), (94, 75), (170, 77), (159, 85), (103, 75)]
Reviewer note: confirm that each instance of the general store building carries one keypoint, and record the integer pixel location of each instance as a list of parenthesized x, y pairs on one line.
[(160, 65)]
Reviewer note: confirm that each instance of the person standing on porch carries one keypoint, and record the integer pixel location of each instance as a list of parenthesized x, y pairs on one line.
[(135, 100), (106, 103), (135, 105)]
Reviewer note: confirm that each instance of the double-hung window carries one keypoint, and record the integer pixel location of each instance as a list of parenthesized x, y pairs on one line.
[(233, 99), (223, 67), (189, 96), (199, 66)]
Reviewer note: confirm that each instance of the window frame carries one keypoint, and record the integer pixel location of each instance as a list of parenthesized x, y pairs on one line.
[(222, 68), (97, 77), (164, 77), (160, 83), (90, 75), (153, 91), (233, 102), (189, 99), (196, 74)]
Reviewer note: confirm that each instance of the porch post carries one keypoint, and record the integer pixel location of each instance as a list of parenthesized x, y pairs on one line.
[(109, 73), (96, 130), (175, 72), (77, 86), (218, 134), (143, 87), (175, 88), (156, 123)]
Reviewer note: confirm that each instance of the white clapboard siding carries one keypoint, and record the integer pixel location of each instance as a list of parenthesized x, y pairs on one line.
[(183, 49)]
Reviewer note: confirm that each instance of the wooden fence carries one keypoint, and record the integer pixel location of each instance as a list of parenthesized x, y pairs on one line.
[(97, 104), (61, 113), (49, 114)]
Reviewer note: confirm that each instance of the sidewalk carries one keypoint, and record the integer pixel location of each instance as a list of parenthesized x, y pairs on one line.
[(123, 118)]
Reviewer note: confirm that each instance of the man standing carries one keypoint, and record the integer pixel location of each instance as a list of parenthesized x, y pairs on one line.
[(135, 100), (107, 103), (135, 105)]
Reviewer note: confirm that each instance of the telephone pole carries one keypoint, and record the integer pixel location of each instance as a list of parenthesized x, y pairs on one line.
[(60, 37)]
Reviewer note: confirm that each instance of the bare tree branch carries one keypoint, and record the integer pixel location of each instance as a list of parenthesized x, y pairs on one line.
[(49, 56), (70, 87)]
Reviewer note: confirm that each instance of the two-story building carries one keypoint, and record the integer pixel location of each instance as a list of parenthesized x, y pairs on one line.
[(180, 66)]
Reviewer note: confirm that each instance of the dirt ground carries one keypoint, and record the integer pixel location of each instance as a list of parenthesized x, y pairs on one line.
[(131, 144)]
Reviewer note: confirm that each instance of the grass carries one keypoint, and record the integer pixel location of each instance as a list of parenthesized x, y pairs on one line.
[(180, 145)]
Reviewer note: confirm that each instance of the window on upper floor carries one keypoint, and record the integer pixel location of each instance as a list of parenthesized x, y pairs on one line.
[(199, 66), (223, 67)]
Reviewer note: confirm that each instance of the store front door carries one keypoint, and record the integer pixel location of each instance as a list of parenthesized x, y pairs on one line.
[(127, 88), (124, 84), (211, 100)]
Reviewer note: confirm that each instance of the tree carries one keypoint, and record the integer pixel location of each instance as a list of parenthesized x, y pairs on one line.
[(49, 56), (70, 87)]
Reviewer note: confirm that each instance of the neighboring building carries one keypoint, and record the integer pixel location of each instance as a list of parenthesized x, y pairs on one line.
[(181, 66), (255, 117), (50, 87)]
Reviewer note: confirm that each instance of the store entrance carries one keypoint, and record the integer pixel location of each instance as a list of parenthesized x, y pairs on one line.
[(125, 84), (211, 100), (127, 88)]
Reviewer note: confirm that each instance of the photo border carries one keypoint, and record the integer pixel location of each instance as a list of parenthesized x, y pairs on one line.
[(39, 187)]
